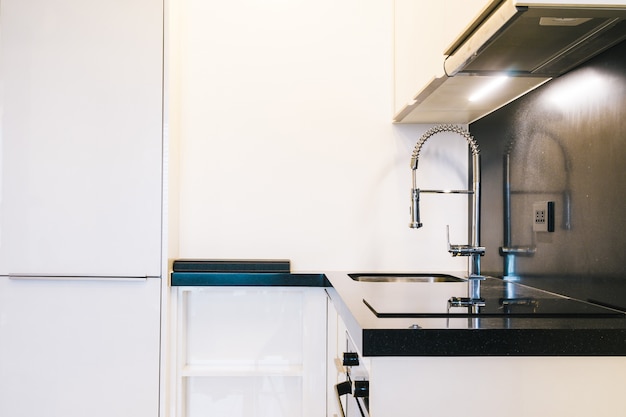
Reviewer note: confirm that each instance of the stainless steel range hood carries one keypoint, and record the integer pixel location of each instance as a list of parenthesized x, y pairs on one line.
[(529, 41), (535, 39)]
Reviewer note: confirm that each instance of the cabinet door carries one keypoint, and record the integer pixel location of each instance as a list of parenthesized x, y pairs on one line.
[(336, 345), (80, 180), (77, 348), (251, 352)]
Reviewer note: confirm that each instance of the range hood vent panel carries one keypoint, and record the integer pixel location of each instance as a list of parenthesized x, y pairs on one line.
[(529, 41), (532, 41)]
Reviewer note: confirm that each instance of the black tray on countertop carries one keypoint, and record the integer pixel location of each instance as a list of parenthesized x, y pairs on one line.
[(232, 265)]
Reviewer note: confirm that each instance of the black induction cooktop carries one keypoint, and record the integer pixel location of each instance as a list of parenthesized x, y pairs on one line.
[(501, 299)]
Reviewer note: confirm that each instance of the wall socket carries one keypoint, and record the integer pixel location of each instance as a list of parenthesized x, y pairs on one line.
[(543, 216)]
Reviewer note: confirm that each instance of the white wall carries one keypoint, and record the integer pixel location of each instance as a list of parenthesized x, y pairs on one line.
[(282, 112)]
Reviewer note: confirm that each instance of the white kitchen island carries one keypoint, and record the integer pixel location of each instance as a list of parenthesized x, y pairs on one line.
[(495, 366)]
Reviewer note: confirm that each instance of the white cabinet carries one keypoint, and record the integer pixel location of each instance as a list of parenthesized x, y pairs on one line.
[(518, 386), (250, 352), (80, 137), (340, 342), (423, 93), (76, 348), (80, 207), (422, 32), (336, 345)]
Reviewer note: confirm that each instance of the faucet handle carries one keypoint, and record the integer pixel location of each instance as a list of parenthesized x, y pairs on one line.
[(476, 277), (463, 250)]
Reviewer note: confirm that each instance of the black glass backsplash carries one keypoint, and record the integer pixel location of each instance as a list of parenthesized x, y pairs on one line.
[(566, 143)]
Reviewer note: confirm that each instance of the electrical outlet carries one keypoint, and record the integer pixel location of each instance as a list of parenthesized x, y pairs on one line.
[(543, 216)]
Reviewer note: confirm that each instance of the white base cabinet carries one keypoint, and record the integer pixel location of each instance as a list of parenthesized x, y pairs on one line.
[(493, 386), (479, 386), (336, 344), (250, 352), (79, 347), (339, 342)]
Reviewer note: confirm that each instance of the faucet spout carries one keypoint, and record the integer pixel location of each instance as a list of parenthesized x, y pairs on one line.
[(415, 209)]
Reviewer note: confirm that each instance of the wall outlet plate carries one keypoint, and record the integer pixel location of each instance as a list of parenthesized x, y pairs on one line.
[(543, 216)]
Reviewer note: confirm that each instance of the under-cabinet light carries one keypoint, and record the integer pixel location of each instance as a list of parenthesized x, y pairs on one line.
[(488, 88), (586, 87)]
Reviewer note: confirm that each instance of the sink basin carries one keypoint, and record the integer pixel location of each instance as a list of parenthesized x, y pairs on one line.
[(404, 277)]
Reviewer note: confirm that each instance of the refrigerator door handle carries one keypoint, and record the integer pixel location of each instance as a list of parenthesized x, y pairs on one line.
[(44, 277)]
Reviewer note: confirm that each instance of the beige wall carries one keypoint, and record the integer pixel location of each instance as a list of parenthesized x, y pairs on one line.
[(282, 114)]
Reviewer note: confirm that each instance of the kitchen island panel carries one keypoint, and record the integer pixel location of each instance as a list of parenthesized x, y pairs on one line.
[(491, 386)]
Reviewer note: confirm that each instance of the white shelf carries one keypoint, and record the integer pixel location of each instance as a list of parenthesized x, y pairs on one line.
[(241, 370), (240, 347)]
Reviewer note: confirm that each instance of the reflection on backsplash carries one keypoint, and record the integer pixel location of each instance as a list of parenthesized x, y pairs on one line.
[(566, 143)]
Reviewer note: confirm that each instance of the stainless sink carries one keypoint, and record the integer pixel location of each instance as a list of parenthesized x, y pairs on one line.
[(404, 277)]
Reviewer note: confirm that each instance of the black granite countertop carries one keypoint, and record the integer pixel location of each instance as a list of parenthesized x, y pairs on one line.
[(252, 279), (410, 319)]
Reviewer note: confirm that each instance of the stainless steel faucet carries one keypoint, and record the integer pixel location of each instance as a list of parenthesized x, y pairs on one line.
[(474, 251)]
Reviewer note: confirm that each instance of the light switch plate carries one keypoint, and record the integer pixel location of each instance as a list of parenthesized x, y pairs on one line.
[(543, 216)]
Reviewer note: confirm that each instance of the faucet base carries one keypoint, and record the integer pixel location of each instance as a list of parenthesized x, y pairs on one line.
[(472, 304)]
